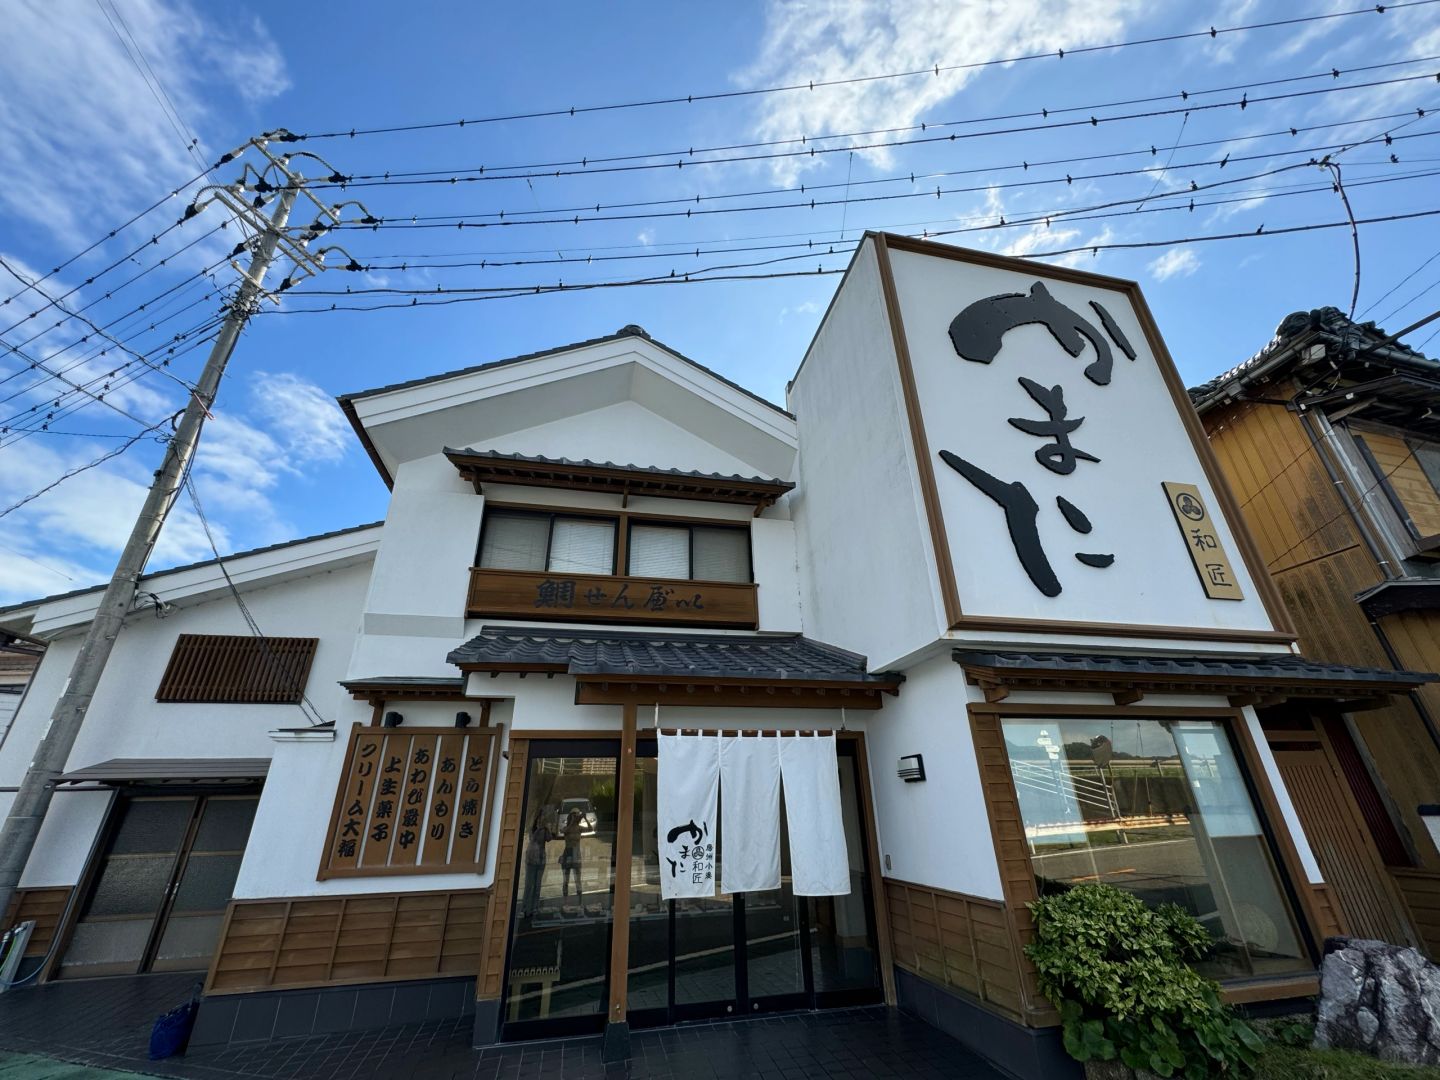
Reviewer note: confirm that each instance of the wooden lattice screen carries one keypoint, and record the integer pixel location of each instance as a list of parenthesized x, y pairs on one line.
[(237, 669), (412, 801)]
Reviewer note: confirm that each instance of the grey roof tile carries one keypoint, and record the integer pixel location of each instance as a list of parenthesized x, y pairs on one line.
[(1207, 666), (780, 657), (586, 463)]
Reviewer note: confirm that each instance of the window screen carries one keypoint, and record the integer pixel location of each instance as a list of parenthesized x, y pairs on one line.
[(660, 551), (582, 547), (720, 554), (514, 541)]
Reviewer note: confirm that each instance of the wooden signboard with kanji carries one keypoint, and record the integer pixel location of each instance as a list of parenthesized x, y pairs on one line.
[(413, 801)]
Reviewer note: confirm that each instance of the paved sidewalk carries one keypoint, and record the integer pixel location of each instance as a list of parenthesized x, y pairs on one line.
[(105, 1023)]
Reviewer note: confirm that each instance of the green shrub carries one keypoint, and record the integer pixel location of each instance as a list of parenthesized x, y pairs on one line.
[(1119, 973)]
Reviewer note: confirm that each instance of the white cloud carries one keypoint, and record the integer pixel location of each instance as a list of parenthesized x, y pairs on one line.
[(836, 39), (75, 110), (1177, 262), (304, 417), (70, 537)]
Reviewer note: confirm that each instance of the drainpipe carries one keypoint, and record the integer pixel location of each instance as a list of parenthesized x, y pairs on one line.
[(1385, 564)]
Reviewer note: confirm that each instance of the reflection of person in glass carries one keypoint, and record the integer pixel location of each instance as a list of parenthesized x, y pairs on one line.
[(570, 857), (540, 835)]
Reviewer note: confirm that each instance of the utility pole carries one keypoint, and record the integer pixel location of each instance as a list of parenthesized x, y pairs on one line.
[(22, 826)]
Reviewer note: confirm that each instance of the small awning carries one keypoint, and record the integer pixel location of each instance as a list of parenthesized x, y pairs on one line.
[(1248, 680), (118, 771), (397, 687), (1405, 594), (688, 663), (491, 466)]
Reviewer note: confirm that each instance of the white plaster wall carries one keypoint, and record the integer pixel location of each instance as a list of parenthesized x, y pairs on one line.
[(9, 704), (292, 823), (125, 720), (777, 572), (934, 833), (428, 544), (867, 573)]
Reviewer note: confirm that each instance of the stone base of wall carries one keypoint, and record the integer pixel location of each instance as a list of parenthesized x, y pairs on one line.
[(279, 1014), (1024, 1052)]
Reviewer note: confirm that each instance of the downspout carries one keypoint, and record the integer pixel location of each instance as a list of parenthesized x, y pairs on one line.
[(1426, 717)]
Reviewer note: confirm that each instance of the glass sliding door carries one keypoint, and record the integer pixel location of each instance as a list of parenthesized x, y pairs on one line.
[(158, 896), (557, 975), (1160, 808), (749, 953)]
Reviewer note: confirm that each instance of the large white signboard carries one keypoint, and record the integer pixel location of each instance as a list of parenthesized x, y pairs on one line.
[(1052, 432)]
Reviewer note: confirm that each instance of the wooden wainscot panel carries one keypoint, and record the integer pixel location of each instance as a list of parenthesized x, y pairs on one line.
[(1421, 889), (599, 598), (337, 940), (958, 941), (412, 801), (46, 906), (496, 927)]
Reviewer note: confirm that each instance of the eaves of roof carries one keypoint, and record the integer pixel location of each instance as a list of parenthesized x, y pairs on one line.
[(228, 559)]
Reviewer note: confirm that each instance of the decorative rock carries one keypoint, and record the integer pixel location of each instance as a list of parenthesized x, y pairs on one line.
[(1380, 999)]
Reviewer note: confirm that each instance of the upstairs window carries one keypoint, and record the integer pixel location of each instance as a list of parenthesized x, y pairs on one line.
[(237, 669), (551, 543), (693, 552), (1408, 470)]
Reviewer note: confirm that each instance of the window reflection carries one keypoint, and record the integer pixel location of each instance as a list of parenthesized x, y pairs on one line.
[(560, 947), (1160, 809)]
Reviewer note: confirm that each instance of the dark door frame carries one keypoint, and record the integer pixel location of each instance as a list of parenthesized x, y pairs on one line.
[(95, 857)]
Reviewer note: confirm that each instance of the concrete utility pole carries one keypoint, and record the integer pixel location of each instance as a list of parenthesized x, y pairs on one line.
[(22, 826)]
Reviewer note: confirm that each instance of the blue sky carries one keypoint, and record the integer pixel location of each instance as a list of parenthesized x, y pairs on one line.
[(85, 143)]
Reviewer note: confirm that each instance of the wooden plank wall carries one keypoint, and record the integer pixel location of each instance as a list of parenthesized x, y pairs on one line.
[(491, 978), (1421, 890), (45, 906), (334, 940), (1330, 922), (1319, 561), (963, 942)]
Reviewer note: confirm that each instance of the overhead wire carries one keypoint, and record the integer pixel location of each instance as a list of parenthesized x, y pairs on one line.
[(934, 70), (536, 289), (679, 159), (131, 441)]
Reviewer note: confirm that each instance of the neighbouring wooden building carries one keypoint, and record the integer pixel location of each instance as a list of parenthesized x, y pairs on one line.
[(1330, 438), (986, 544)]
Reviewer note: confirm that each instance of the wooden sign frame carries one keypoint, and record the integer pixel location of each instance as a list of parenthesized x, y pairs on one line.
[(413, 800)]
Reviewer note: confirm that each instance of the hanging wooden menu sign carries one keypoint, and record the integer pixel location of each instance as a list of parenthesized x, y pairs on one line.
[(1217, 576), (412, 801)]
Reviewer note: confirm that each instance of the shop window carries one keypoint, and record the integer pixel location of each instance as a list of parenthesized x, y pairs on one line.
[(694, 552), (555, 543), (1161, 809), (1408, 471), (237, 669)]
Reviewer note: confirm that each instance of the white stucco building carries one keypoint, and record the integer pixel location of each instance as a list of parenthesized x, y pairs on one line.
[(985, 540)]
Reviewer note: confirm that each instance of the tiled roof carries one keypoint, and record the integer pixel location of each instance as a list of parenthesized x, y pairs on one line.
[(1221, 668), (776, 658), (625, 331), (1327, 323), (586, 463)]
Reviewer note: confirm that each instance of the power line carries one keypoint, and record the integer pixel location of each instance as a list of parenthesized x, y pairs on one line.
[(306, 706), (113, 340), (1390, 291), (89, 465), (510, 291), (532, 170), (1243, 102), (1025, 166), (1045, 217), (934, 71)]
